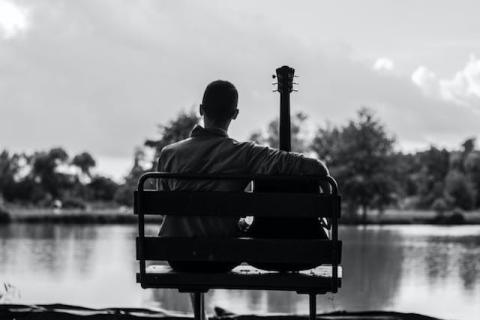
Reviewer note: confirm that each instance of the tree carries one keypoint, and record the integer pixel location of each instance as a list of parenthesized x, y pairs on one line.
[(468, 145), (462, 183), (406, 167), (85, 162), (9, 167), (124, 194), (469, 160), (360, 156), (102, 188), (270, 137), (14, 186), (431, 169), (459, 190), (175, 130), (472, 171), (44, 171)]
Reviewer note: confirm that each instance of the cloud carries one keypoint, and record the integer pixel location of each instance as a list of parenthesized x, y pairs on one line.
[(103, 74), (426, 80), (13, 19), (415, 118), (463, 88), (383, 64)]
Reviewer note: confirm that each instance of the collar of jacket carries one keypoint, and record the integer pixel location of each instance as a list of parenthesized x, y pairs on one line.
[(200, 131)]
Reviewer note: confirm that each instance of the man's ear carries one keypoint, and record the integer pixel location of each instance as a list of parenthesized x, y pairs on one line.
[(201, 109), (235, 114)]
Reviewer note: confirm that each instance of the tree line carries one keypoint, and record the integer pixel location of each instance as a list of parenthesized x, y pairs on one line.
[(48, 178), (372, 175), (360, 154)]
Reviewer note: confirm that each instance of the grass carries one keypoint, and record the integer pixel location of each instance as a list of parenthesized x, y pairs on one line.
[(412, 216), (76, 216)]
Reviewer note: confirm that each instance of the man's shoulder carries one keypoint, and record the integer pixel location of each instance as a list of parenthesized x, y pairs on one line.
[(223, 144), (176, 145), (170, 150), (193, 141)]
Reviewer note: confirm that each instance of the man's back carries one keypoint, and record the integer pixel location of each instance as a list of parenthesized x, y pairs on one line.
[(211, 151)]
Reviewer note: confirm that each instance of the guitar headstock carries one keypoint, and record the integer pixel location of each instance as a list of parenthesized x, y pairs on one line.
[(285, 77)]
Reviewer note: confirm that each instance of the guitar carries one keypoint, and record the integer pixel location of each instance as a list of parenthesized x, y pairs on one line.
[(289, 228)]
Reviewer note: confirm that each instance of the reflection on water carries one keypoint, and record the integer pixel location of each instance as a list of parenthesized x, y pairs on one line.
[(426, 269)]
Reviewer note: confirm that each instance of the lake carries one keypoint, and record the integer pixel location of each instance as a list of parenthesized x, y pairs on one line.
[(433, 270)]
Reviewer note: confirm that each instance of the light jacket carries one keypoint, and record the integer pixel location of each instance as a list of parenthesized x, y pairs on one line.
[(211, 151)]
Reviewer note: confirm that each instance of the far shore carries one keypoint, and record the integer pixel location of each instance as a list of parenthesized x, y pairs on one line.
[(125, 215), (51, 215), (413, 216)]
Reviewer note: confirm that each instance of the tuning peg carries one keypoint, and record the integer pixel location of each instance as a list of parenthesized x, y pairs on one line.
[(273, 76), (295, 76), (295, 83), (274, 83), (274, 90), (294, 90)]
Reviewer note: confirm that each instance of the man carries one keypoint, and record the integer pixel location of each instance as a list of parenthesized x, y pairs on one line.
[(209, 150)]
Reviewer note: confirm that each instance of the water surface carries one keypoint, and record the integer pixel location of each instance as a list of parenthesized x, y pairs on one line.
[(426, 269)]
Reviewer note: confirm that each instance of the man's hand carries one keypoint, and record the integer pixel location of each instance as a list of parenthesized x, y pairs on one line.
[(316, 167)]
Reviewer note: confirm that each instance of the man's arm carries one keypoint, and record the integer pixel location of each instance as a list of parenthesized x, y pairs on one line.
[(311, 166), (269, 161), (162, 184)]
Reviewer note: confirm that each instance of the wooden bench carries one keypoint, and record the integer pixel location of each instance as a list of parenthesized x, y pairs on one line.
[(320, 280)]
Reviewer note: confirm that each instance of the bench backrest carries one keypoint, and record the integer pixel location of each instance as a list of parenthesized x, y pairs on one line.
[(238, 204)]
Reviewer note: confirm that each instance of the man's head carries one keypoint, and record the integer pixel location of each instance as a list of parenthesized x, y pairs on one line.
[(219, 103)]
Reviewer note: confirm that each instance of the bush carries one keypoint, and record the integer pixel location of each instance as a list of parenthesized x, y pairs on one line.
[(455, 218), (124, 195), (440, 206), (102, 188), (74, 203), (4, 216), (459, 190)]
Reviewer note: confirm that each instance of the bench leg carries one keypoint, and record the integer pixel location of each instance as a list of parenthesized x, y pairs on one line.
[(312, 300), (199, 306)]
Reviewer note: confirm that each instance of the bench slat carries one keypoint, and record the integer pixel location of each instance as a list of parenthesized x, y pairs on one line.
[(189, 203), (318, 280), (240, 249)]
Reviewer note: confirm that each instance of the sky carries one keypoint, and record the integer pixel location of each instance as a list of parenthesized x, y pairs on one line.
[(100, 75)]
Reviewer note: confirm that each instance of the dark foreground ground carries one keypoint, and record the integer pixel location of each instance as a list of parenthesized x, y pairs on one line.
[(68, 312)]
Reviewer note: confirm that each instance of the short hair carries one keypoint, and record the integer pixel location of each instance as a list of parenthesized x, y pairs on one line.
[(220, 100)]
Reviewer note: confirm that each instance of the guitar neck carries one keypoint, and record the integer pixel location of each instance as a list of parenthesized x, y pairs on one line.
[(284, 77), (285, 135)]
